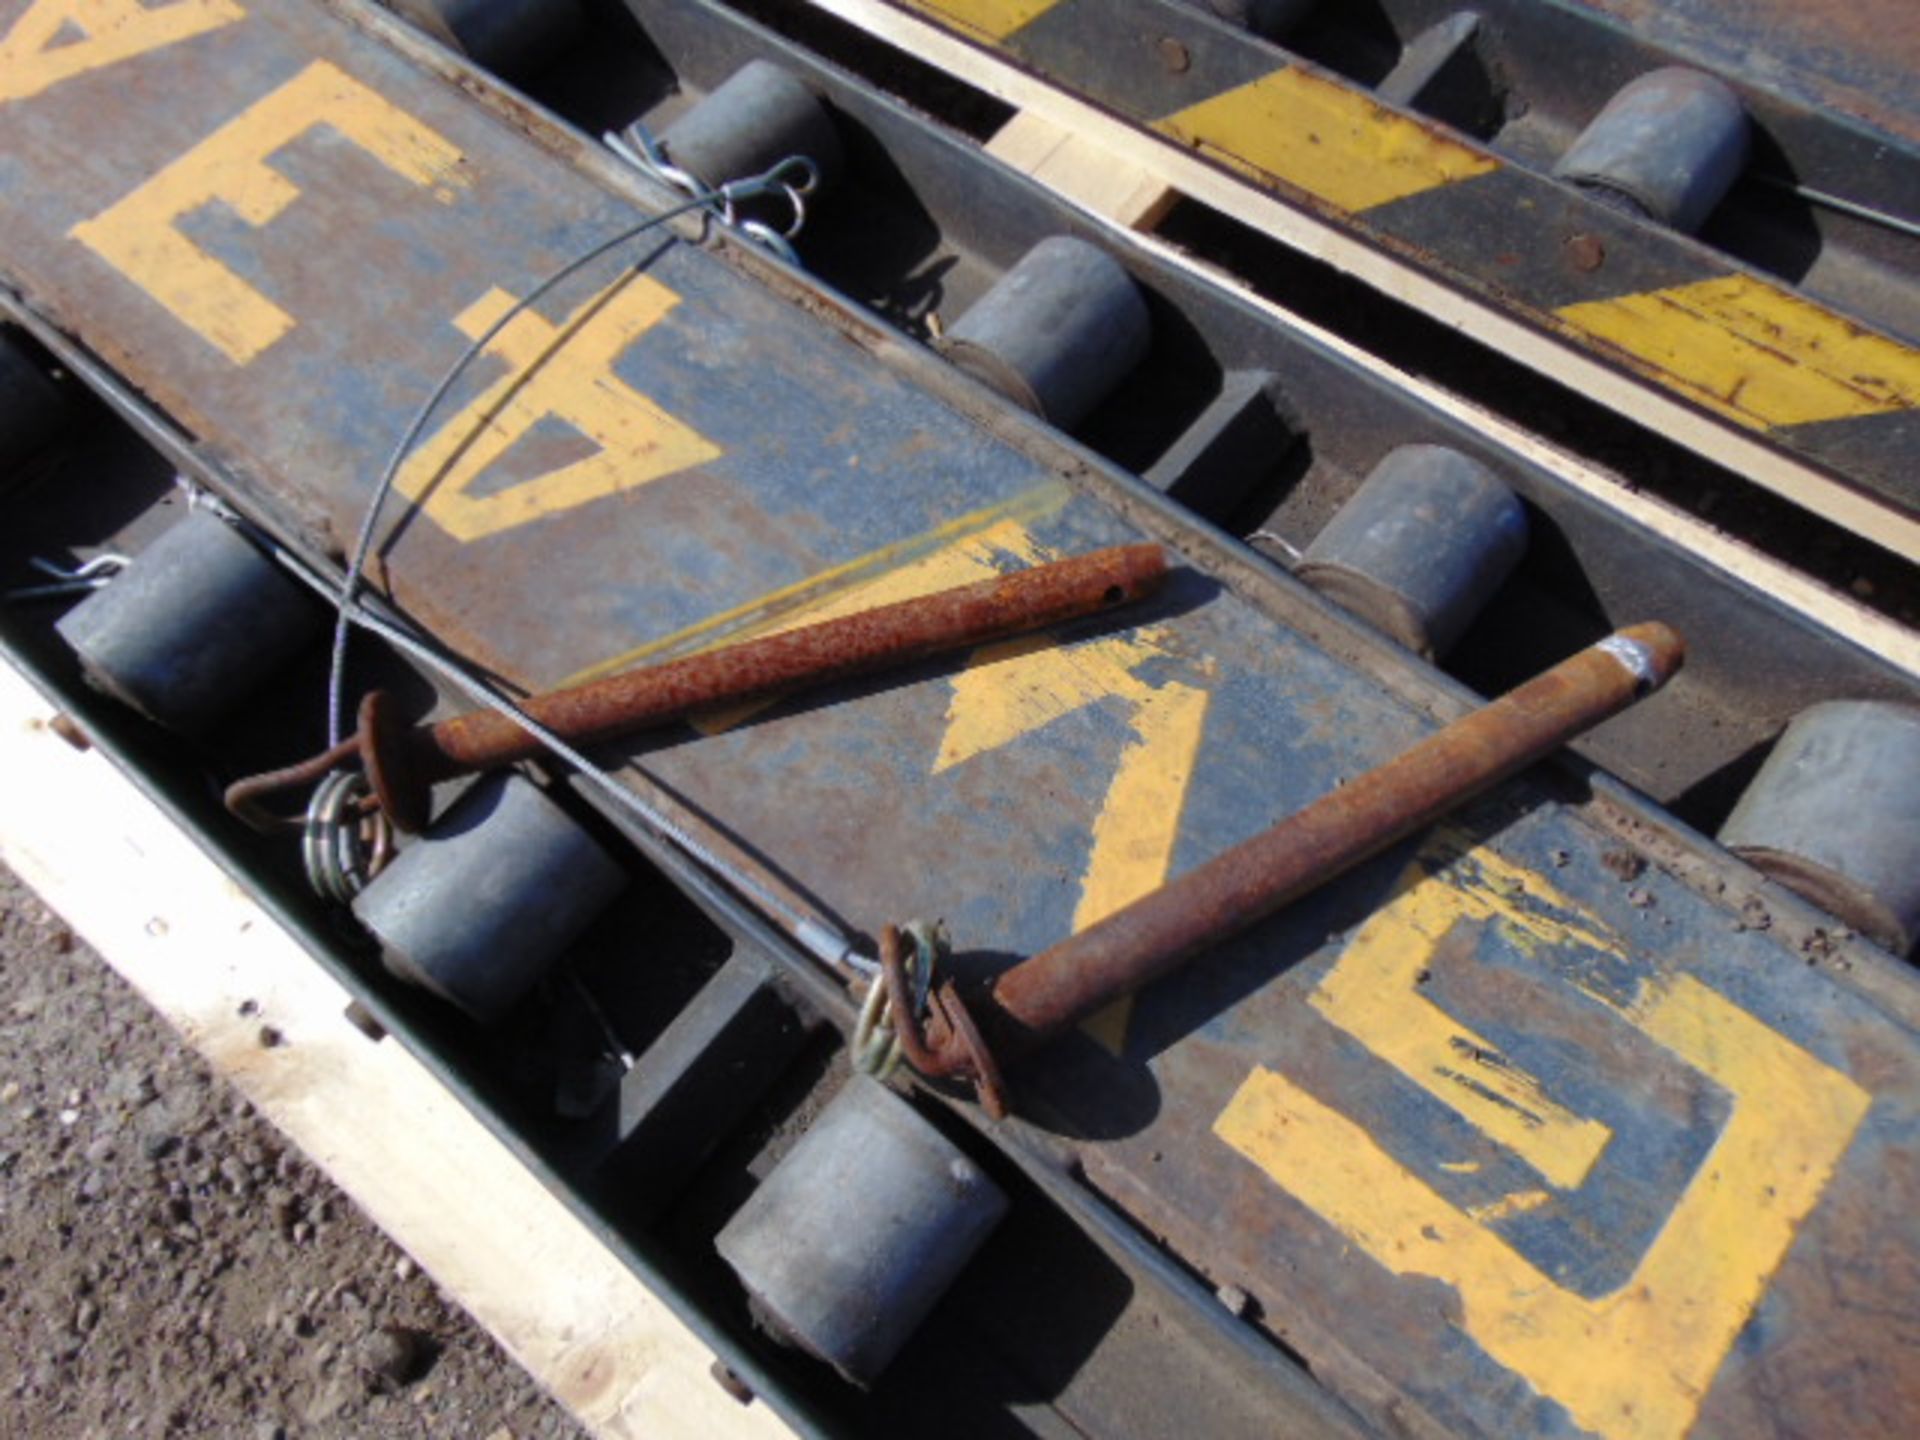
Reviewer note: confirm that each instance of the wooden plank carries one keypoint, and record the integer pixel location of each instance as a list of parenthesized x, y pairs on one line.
[(1866, 515), (1080, 170), (450, 1193), (1030, 141)]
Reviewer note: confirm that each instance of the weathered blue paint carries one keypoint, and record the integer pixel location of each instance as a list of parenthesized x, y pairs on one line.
[(830, 453)]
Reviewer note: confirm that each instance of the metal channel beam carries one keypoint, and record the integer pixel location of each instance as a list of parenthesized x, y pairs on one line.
[(1808, 389), (1534, 1124)]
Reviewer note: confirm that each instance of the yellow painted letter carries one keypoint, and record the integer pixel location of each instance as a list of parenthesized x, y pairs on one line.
[(1374, 995), (1636, 1362), (564, 372), (93, 33), (137, 235)]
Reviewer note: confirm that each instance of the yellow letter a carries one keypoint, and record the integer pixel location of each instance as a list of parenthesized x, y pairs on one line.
[(58, 39)]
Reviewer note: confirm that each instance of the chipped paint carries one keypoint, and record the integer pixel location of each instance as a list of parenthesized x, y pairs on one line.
[(1635, 1363), (1374, 993)]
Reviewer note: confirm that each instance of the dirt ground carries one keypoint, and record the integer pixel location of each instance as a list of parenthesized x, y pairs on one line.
[(170, 1266)]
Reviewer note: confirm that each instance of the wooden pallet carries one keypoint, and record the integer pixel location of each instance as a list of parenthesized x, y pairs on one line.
[(443, 1186)]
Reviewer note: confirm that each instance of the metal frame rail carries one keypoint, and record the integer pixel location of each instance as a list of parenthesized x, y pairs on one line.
[(1480, 1133), (1779, 344)]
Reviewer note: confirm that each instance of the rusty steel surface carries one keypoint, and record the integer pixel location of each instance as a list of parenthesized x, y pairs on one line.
[(1553, 1120), (404, 763), (1035, 598), (1151, 937)]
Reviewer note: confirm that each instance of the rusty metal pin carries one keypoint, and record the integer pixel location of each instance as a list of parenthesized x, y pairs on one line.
[(402, 762), (1042, 996)]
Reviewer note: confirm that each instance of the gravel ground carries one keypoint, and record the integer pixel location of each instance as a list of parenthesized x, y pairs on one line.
[(170, 1266)]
